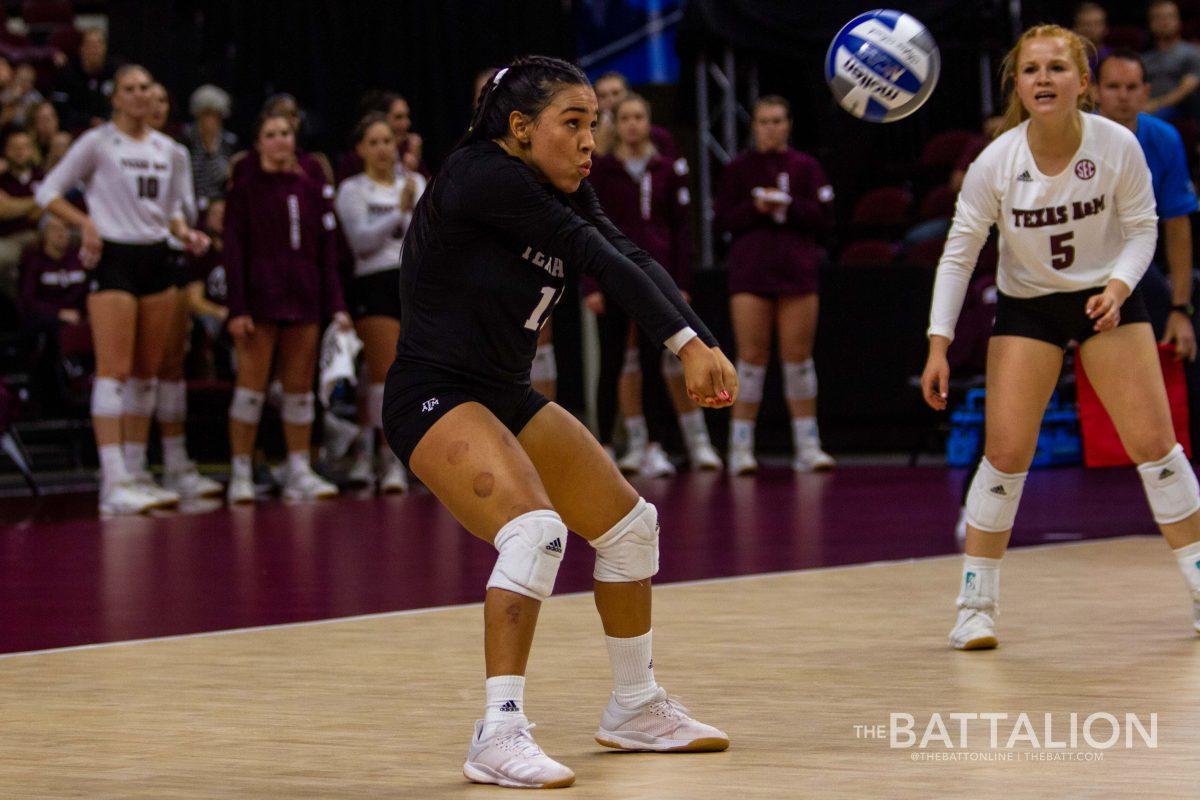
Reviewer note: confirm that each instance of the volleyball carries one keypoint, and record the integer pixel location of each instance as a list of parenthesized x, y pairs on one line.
[(882, 65)]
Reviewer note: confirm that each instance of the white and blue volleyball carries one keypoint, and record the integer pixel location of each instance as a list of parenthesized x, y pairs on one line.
[(882, 65)]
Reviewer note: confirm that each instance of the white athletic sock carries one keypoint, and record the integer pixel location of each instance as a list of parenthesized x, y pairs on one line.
[(242, 468), (633, 669), (980, 585), (741, 434), (135, 457), (692, 423), (804, 433), (298, 462), (637, 432), (175, 455), (112, 464), (505, 701), (1189, 565)]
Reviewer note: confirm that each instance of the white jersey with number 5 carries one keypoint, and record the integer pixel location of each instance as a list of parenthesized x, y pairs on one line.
[(1093, 222), (133, 187)]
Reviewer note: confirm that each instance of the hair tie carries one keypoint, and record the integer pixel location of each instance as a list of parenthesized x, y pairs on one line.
[(499, 75)]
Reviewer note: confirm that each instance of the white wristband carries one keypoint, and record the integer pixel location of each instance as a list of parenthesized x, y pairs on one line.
[(679, 339)]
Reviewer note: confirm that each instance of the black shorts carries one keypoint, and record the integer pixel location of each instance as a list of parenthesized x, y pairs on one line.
[(1058, 318), (376, 295), (139, 269), (417, 396)]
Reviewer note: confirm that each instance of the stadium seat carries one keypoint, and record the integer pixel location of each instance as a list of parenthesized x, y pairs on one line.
[(868, 253), (937, 203), (883, 212), (942, 152), (924, 254)]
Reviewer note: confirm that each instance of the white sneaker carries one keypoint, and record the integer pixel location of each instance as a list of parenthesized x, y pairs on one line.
[(163, 498), (510, 757), (811, 458), (394, 479), (655, 464), (703, 455), (125, 497), (960, 530), (631, 462), (742, 461), (307, 485), (662, 725), (975, 629), (363, 471), (189, 484), (241, 490)]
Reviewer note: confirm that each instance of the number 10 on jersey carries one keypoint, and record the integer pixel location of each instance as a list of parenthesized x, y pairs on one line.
[(538, 318)]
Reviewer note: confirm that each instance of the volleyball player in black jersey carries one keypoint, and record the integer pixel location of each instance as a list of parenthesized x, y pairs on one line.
[(483, 265)]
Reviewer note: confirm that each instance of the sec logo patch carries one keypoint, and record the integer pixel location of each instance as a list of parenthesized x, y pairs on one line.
[(1085, 170)]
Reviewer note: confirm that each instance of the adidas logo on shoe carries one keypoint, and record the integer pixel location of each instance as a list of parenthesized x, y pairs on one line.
[(998, 491), (510, 705), (555, 546), (1166, 473), (1025, 177)]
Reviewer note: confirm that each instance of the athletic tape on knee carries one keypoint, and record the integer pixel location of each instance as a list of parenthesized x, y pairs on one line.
[(672, 367), (993, 498), (631, 364), (108, 398), (297, 408), (375, 405), (750, 381), (1171, 487), (799, 380), (140, 396), (247, 406), (629, 550), (544, 368), (531, 549), (172, 401)]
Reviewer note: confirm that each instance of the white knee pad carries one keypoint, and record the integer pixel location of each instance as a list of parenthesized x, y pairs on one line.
[(993, 498), (629, 551), (544, 368), (750, 381), (297, 409), (631, 364), (247, 406), (531, 550), (375, 405), (108, 398), (140, 396), (1171, 487), (672, 367), (172, 401), (799, 380)]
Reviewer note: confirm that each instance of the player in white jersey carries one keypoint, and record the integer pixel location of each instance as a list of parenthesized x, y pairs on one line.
[(375, 210), (135, 189), (1072, 197)]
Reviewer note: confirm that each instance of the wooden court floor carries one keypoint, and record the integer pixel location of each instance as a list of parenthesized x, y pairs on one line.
[(788, 664)]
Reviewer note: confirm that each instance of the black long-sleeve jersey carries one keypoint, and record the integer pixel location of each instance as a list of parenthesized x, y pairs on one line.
[(485, 261)]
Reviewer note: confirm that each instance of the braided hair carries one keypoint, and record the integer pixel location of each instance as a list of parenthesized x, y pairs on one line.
[(527, 85)]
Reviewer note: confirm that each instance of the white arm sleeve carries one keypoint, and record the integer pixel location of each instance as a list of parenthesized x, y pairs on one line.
[(365, 235), (977, 209), (1139, 217), (183, 192), (77, 165)]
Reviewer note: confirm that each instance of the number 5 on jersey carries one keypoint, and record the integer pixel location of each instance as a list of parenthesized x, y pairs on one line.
[(1062, 255), (538, 318)]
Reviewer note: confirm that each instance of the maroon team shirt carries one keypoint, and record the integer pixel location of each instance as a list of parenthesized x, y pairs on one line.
[(654, 211), (309, 165), (25, 185), (280, 249), (49, 285), (768, 256)]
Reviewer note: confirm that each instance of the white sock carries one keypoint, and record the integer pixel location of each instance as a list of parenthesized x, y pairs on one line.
[(741, 434), (135, 456), (175, 455), (112, 464), (242, 468), (633, 669), (637, 432), (298, 463), (505, 701), (692, 423), (980, 585), (804, 433), (1189, 565)]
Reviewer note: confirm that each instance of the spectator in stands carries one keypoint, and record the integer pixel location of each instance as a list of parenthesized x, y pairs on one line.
[(409, 144), (84, 87), (611, 88), (281, 266), (54, 284), (18, 211), (60, 143), (774, 202), (42, 124), (209, 144), (1091, 22), (21, 96), (1172, 66), (375, 209), (646, 196)]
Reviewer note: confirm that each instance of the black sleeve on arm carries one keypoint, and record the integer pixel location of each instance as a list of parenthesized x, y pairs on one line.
[(505, 196), (586, 198)]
